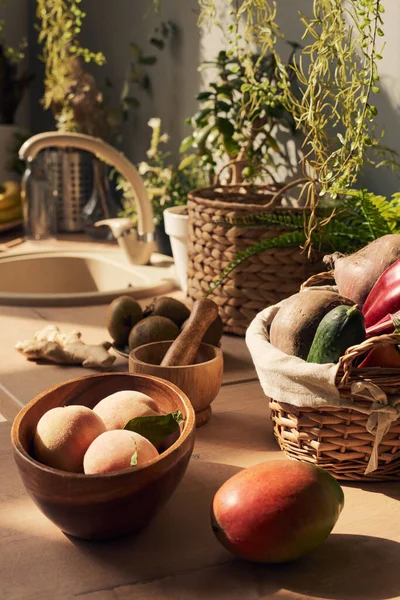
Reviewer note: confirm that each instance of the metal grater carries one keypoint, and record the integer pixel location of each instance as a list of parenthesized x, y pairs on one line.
[(70, 175)]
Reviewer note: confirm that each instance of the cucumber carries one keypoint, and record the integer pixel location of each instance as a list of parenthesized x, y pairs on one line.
[(339, 329)]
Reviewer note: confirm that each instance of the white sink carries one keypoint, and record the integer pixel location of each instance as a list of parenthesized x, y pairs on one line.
[(68, 278)]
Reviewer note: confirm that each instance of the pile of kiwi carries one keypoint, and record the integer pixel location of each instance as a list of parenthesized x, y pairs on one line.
[(130, 326)]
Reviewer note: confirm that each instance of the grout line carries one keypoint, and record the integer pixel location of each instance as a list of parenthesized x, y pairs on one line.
[(239, 381), (39, 314), (156, 579), (10, 395)]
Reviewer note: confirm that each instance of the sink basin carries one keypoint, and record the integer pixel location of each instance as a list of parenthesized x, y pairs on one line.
[(65, 278)]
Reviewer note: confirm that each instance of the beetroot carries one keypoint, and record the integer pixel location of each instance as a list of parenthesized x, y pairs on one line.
[(356, 274)]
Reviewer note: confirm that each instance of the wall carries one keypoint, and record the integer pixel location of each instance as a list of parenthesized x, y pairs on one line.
[(112, 24), (15, 15)]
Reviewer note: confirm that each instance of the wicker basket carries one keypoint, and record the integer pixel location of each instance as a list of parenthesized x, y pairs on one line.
[(337, 438), (261, 280)]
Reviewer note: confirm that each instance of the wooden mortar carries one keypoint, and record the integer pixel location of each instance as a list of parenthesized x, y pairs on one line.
[(200, 381)]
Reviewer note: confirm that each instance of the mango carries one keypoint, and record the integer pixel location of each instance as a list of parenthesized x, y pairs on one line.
[(63, 434), (276, 511), (114, 451), (117, 409)]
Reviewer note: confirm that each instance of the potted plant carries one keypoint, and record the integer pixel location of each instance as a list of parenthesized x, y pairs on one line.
[(332, 106), (79, 104), (168, 185), (237, 138)]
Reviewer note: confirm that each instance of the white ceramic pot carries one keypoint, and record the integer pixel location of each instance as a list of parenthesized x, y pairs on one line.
[(176, 222)]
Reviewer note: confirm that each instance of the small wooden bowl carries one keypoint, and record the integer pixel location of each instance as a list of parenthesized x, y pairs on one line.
[(200, 381), (113, 504)]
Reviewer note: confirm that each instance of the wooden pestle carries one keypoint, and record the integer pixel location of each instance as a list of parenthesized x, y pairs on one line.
[(184, 349)]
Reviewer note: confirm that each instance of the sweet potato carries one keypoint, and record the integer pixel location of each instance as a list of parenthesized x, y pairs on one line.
[(293, 328), (356, 274)]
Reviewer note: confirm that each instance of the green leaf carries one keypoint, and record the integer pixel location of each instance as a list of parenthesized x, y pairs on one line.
[(157, 43), (224, 106), (231, 146), (373, 208), (147, 60), (185, 162), (204, 95), (225, 127), (134, 459), (156, 428), (200, 116), (186, 143)]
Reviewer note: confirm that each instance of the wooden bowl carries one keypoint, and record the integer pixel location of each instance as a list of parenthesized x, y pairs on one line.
[(113, 504), (200, 381)]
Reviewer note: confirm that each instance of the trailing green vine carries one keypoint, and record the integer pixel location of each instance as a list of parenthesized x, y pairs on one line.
[(60, 26), (338, 75), (241, 109), (335, 108)]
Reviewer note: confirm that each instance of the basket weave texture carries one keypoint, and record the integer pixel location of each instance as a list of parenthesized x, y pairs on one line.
[(261, 280), (337, 438)]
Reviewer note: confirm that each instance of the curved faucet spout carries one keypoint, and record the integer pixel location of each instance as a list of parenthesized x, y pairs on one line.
[(143, 246)]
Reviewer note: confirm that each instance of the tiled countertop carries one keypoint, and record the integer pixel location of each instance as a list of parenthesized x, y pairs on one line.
[(177, 556)]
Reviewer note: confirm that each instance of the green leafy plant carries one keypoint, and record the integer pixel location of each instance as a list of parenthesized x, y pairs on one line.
[(60, 25), (167, 184), (333, 107), (73, 94), (12, 84), (338, 77), (137, 78), (231, 131)]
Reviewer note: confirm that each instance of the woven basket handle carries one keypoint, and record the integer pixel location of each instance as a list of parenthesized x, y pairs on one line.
[(285, 188), (317, 279), (347, 360), (257, 207)]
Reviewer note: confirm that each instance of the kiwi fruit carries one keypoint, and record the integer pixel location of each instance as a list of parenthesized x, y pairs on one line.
[(122, 314), (171, 309), (152, 329), (214, 332)]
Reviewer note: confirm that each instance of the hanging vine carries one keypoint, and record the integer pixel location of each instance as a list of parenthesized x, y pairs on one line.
[(333, 106), (60, 26)]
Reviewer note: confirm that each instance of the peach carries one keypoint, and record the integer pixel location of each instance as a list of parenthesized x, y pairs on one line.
[(117, 409), (63, 435), (113, 451)]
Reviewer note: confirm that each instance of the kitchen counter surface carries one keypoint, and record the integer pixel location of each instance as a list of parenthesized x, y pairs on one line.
[(177, 557)]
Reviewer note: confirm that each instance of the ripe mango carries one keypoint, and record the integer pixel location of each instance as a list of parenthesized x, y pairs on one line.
[(276, 511)]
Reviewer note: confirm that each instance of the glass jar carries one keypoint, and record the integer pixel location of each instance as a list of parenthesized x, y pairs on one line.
[(38, 201)]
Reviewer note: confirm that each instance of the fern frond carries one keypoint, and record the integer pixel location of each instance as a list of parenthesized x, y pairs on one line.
[(390, 211), (372, 207)]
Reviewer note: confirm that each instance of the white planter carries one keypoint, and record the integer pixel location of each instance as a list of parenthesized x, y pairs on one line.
[(8, 145), (176, 223)]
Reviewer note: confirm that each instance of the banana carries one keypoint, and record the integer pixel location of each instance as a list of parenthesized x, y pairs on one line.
[(13, 214), (10, 202)]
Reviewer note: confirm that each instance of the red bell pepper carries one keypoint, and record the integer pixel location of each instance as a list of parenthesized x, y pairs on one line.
[(384, 298), (384, 355), (383, 326)]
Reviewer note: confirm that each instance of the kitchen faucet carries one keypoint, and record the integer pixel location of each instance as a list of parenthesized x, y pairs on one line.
[(138, 244)]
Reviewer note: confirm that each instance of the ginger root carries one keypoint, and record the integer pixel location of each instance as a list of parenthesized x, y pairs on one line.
[(65, 348)]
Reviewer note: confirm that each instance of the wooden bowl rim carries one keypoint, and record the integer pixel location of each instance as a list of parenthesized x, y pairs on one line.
[(217, 357), (188, 428)]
